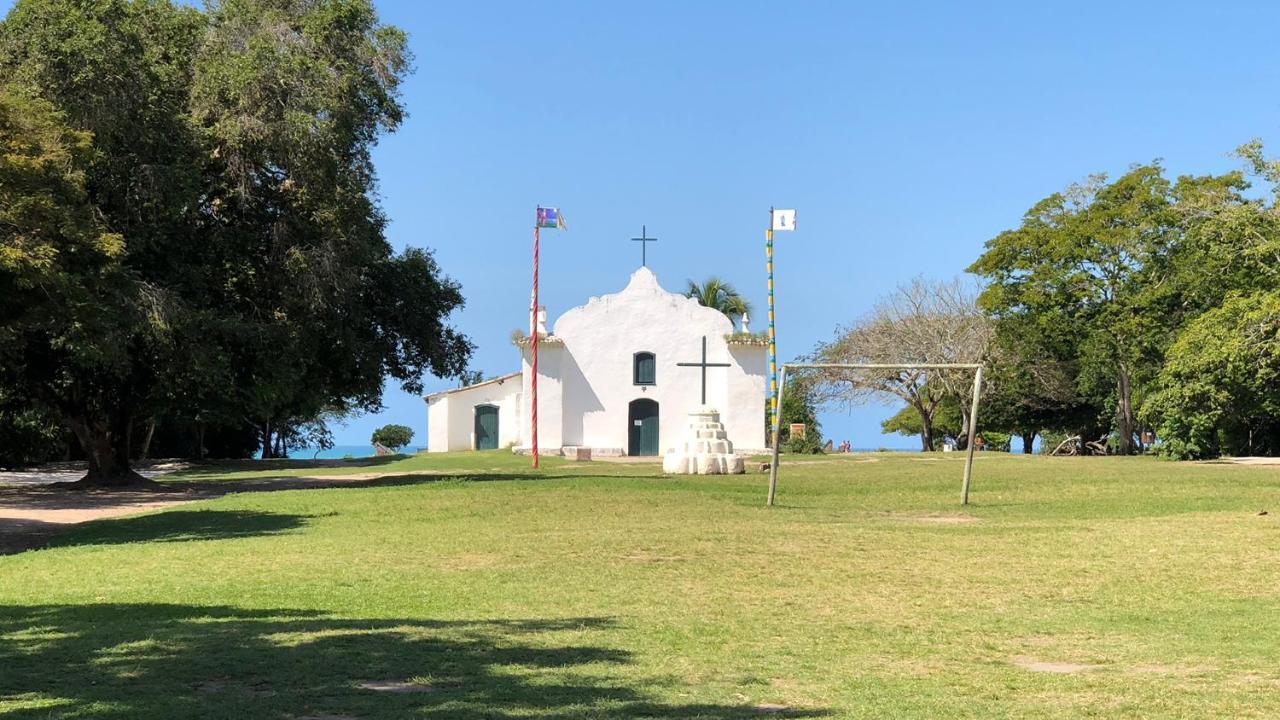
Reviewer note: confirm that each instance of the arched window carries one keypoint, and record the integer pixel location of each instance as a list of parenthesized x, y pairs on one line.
[(643, 369)]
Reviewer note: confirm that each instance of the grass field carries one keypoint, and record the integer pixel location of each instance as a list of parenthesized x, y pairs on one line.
[(1072, 587)]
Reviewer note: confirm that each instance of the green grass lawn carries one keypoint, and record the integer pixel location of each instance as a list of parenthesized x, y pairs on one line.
[(1071, 587)]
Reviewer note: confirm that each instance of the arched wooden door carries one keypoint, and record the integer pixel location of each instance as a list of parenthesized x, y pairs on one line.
[(642, 427), (486, 427)]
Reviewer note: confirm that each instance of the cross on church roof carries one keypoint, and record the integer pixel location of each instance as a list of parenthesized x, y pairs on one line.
[(704, 365), (644, 241)]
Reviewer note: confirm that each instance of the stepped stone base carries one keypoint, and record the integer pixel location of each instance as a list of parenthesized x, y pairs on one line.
[(705, 450)]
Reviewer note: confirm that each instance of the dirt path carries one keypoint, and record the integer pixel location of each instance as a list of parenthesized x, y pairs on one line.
[(66, 472), (1252, 460)]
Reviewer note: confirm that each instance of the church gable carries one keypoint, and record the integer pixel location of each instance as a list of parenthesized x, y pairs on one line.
[(624, 381), (642, 305)]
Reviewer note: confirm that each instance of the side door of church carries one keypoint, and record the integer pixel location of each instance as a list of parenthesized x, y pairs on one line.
[(486, 427), (642, 427)]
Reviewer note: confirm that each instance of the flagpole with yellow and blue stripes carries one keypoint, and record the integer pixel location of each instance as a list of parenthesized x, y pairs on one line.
[(773, 347), (778, 220)]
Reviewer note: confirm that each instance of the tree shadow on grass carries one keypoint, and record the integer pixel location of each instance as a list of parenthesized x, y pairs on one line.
[(116, 661), (181, 526), (412, 478), (206, 467), (19, 534)]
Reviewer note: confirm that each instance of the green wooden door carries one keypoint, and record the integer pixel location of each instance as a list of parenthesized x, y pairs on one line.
[(486, 427), (642, 427)]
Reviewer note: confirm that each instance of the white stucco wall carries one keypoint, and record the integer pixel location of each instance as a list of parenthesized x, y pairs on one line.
[(746, 390), (586, 383), (550, 404), (451, 414), (437, 423)]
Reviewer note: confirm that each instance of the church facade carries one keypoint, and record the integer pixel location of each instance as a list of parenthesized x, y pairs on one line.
[(616, 376)]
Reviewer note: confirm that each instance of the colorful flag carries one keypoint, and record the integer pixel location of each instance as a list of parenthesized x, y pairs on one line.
[(550, 218), (783, 220)]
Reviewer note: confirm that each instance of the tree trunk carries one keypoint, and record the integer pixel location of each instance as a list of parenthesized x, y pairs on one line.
[(1124, 414), (1028, 439), (106, 444), (146, 439), (926, 426), (266, 440), (962, 437)]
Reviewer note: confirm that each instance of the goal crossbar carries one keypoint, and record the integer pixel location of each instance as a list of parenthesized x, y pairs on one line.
[(973, 410)]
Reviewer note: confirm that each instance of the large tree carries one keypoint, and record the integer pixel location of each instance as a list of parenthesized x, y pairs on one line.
[(945, 423), (58, 264), (922, 322), (1219, 391), (1030, 391), (247, 275), (1085, 279), (90, 346), (291, 97), (1230, 233)]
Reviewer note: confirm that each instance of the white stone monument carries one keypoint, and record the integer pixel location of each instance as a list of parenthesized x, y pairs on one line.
[(705, 448)]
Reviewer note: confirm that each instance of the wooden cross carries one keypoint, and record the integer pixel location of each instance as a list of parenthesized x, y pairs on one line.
[(644, 241), (704, 365)]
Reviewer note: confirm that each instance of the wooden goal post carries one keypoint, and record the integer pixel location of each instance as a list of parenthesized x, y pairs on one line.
[(973, 411)]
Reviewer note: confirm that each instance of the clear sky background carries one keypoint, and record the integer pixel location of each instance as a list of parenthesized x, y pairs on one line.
[(906, 135)]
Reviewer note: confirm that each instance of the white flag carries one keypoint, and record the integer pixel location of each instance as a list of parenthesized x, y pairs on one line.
[(784, 220)]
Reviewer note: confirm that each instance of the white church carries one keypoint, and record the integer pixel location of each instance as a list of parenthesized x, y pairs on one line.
[(619, 375)]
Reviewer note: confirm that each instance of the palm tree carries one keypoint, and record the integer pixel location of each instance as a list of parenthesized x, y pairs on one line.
[(719, 295)]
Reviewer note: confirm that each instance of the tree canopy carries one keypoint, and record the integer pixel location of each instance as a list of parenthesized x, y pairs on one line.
[(195, 229), (920, 323), (719, 295), (393, 437), (1085, 275), (1135, 301), (1219, 389)]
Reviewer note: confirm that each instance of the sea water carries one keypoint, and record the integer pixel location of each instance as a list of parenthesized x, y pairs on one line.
[(334, 453), (337, 452)]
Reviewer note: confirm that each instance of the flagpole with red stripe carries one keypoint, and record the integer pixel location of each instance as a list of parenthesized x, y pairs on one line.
[(551, 218), (533, 317)]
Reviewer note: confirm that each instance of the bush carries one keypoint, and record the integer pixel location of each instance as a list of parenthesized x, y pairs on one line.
[(995, 441), (1049, 441), (798, 406), (1218, 390), (29, 437), (808, 444), (392, 436)]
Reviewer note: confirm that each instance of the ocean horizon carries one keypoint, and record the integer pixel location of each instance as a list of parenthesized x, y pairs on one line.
[(338, 452)]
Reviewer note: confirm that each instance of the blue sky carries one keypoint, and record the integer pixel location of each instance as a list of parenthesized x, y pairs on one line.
[(905, 134)]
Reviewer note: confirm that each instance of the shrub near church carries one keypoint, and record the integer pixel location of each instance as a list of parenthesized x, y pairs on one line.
[(392, 436)]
